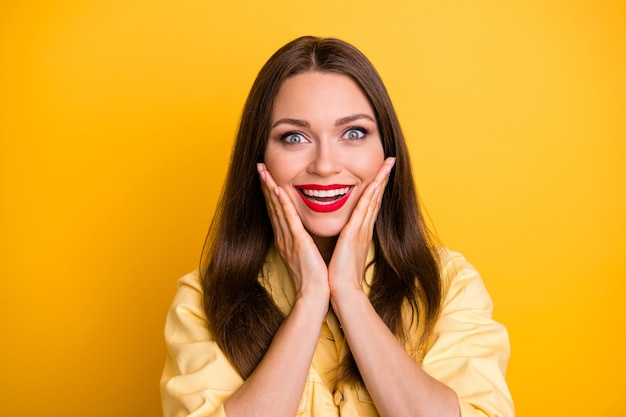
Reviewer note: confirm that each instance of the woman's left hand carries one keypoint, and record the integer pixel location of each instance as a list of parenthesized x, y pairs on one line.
[(347, 266)]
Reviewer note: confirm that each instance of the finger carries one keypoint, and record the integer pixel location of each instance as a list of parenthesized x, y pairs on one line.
[(288, 208), (287, 218), (274, 207), (280, 199), (385, 169), (383, 179), (366, 210), (289, 211)]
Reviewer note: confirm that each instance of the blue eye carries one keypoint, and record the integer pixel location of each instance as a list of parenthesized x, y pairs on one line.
[(355, 133), (293, 138)]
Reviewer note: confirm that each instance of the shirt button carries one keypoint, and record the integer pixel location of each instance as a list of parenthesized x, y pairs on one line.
[(338, 397)]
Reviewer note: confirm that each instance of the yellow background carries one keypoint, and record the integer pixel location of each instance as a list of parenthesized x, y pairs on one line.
[(116, 122)]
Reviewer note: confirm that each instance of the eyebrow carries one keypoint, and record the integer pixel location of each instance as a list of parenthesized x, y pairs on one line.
[(350, 119), (339, 122), (295, 122)]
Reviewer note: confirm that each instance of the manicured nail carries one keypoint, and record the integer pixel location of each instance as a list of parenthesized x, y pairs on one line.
[(262, 174)]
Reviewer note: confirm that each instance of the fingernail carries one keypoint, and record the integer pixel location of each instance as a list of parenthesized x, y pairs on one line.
[(260, 167), (277, 191), (389, 165)]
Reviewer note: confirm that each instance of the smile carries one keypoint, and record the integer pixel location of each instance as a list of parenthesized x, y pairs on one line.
[(324, 198)]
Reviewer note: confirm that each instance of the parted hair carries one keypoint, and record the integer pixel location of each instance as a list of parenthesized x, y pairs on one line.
[(242, 316)]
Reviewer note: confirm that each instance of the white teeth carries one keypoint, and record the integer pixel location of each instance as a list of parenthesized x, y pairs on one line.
[(325, 193)]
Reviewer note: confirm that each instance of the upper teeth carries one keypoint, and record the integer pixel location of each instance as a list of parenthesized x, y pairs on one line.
[(325, 193)]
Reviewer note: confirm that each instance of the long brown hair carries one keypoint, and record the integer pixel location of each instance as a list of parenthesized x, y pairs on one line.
[(241, 314)]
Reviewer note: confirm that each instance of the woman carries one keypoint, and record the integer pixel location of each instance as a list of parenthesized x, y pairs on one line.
[(320, 292)]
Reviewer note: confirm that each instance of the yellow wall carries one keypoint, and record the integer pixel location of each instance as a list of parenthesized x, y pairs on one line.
[(116, 121)]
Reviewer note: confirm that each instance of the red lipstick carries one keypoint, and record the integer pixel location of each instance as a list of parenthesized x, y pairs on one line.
[(324, 198)]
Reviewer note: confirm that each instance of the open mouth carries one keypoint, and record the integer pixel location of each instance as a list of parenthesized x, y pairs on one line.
[(324, 198)]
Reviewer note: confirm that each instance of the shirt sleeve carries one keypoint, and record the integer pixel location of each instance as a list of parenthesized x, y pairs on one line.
[(468, 350), (197, 377)]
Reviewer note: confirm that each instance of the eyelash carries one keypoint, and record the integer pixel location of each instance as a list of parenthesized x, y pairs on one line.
[(363, 132), (284, 138)]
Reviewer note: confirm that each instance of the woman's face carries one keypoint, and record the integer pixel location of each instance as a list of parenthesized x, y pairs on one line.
[(323, 148)]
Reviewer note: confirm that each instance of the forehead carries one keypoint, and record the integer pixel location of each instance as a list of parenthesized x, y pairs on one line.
[(320, 95)]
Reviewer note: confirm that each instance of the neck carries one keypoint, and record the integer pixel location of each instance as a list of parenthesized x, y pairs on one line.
[(326, 246)]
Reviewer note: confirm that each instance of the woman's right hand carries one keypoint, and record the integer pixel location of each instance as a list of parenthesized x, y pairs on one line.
[(294, 244)]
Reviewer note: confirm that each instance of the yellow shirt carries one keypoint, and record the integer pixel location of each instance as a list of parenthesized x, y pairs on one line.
[(467, 350)]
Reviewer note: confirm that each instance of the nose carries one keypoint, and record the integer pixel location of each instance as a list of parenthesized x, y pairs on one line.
[(326, 160)]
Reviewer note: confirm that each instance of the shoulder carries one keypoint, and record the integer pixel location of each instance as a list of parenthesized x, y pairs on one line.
[(451, 263), (186, 314), (460, 280), (188, 288), (190, 281), (468, 350), (197, 376)]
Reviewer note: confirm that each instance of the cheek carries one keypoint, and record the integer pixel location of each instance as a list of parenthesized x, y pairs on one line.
[(279, 168), (369, 165)]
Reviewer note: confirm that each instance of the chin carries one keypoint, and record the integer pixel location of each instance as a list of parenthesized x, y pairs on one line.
[(326, 229)]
